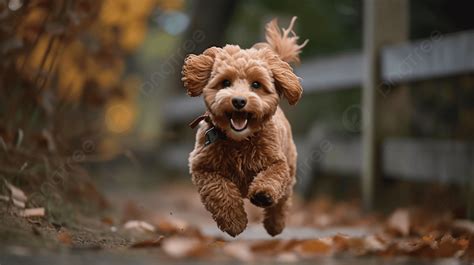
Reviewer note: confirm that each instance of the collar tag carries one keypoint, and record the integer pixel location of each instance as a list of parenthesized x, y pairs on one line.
[(212, 135)]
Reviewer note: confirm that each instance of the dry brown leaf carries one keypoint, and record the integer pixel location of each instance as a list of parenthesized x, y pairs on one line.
[(374, 244), (218, 244), (469, 253), (357, 246), (426, 247), (64, 237), (18, 203), (449, 247), (171, 225), (181, 247), (430, 240), (287, 257), (32, 212), (266, 246), (139, 226), (414, 247), (463, 243), (148, 243), (341, 242), (16, 193), (399, 222), (240, 251), (289, 245), (315, 247)]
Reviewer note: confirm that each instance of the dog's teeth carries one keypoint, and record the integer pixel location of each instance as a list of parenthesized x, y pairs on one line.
[(239, 124)]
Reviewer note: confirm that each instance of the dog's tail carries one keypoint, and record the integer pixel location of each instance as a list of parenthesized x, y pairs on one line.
[(283, 42)]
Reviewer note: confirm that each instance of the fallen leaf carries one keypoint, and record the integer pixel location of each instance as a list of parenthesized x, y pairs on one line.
[(469, 253), (449, 247), (287, 257), (399, 221), (180, 247), (218, 243), (374, 244), (315, 247), (357, 246), (33, 212), (139, 225), (289, 245), (240, 251), (16, 193), (148, 243), (414, 247), (18, 203), (64, 237), (430, 239), (171, 225), (266, 246), (341, 242)]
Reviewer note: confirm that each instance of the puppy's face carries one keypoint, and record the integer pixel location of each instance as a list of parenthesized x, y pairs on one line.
[(241, 88)]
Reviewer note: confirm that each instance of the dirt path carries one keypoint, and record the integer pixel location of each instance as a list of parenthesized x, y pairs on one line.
[(169, 224)]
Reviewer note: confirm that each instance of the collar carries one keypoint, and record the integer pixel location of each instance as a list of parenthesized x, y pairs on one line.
[(213, 133)]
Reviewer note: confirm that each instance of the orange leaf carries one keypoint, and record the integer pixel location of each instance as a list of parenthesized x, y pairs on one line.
[(148, 243), (64, 237), (315, 247)]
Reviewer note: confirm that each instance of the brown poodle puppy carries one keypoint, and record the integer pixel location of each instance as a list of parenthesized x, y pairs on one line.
[(244, 148)]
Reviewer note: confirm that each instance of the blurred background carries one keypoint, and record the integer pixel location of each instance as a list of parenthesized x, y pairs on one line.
[(90, 94)]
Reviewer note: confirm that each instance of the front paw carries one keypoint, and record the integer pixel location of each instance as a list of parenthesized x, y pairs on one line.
[(262, 199), (233, 224)]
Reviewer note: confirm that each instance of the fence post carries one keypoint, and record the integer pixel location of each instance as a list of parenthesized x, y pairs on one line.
[(470, 192), (385, 22)]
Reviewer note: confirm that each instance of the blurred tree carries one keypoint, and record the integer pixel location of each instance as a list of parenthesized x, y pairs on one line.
[(64, 61), (212, 18), (331, 26), (440, 15)]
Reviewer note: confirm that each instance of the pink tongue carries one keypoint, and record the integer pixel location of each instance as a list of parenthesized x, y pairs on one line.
[(239, 124)]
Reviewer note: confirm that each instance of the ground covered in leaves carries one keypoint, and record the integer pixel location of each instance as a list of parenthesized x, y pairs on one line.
[(170, 223)]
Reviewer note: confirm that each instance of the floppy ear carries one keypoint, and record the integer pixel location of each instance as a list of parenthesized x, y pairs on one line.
[(286, 82), (197, 70)]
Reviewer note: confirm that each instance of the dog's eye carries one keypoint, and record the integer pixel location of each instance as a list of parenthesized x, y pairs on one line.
[(226, 83), (256, 85)]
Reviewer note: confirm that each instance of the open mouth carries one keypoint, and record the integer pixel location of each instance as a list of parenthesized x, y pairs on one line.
[(238, 120)]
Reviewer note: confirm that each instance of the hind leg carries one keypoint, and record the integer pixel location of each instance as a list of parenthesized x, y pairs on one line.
[(275, 216)]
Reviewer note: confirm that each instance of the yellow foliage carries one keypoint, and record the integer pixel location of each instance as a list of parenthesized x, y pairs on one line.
[(170, 4), (122, 12), (31, 63), (71, 78), (133, 35), (90, 54), (120, 116), (30, 25)]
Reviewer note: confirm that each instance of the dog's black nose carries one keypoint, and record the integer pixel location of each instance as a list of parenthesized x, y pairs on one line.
[(239, 102)]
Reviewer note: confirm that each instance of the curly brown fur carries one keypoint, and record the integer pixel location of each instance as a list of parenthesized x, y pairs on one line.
[(257, 160)]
